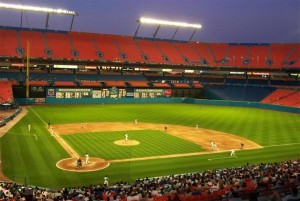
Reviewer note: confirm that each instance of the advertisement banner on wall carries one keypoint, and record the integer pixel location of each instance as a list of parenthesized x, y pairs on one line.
[(50, 93), (73, 93)]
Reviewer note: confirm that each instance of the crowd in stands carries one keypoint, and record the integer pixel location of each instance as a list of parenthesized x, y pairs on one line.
[(261, 182)]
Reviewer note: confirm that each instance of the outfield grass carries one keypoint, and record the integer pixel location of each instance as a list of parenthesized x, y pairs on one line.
[(22, 155)]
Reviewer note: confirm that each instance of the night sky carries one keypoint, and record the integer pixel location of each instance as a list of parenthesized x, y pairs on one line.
[(238, 21)]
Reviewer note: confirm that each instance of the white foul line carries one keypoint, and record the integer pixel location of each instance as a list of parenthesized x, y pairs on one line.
[(58, 138), (210, 159)]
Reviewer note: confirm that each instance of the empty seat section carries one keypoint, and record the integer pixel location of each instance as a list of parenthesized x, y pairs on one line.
[(260, 54), (90, 84), (237, 56), (8, 43), (83, 44), (203, 50), (128, 47), (289, 100), (113, 83), (107, 47), (149, 49), (197, 85), (60, 45), (64, 83), (277, 95), (188, 52), (138, 83), (6, 93), (63, 79), (218, 51), (294, 56), (279, 52), (181, 85), (160, 85), (168, 50), (36, 43)]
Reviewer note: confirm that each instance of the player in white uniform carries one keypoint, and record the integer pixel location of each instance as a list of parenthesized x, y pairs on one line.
[(87, 158), (106, 180), (29, 127), (212, 145), (232, 152), (126, 137)]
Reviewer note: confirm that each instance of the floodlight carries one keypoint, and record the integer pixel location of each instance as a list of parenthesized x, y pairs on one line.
[(160, 23), (37, 9), (169, 23)]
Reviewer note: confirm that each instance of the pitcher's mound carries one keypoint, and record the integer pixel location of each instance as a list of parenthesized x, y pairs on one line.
[(69, 164), (127, 143)]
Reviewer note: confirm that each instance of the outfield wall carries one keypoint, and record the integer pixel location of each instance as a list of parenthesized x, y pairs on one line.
[(31, 101), (243, 104)]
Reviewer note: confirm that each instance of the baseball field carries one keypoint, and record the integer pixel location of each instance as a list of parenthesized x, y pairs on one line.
[(165, 140)]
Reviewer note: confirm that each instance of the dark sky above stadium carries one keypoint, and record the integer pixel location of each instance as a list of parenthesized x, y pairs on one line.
[(238, 21)]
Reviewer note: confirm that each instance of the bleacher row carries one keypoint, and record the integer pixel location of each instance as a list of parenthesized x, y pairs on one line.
[(69, 79), (62, 45), (6, 93), (283, 97)]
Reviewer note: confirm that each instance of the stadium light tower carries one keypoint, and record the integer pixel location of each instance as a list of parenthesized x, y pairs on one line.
[(39, 9), (160, 23)]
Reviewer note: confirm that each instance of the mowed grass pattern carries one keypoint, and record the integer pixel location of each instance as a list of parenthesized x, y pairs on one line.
[(24, 156), (152, 143)]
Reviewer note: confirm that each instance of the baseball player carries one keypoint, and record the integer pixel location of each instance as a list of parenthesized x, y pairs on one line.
[(106, 180), (212, 145), (197, 127), (135, 121), (215, 147), (232, 152), (29, 127), (126, 137), (87, 158)]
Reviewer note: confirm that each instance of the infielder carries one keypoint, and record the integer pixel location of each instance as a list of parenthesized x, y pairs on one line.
[(135, 121), (215, 147), (212, 145), (126, 137), (232, 152), (87, 158), (197, 127), (29, 127)]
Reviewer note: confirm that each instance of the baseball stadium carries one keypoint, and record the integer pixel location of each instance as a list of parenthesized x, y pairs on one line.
[(94, 116)]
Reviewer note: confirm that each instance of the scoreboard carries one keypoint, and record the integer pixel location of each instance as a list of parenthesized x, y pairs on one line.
[(108, 93), (151, 93)]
